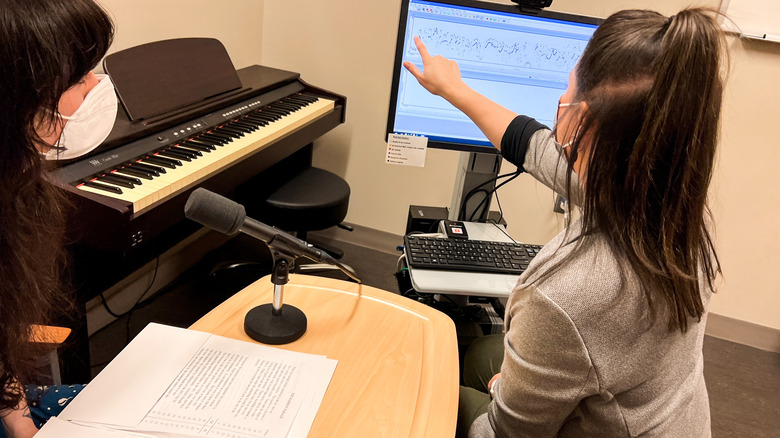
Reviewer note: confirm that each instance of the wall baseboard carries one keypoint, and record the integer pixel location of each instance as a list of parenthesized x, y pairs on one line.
[(718, 326), (363, 236), (145, 282), (743, 332)]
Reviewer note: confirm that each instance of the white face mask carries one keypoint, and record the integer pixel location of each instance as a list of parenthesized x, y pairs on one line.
[(89, 125)]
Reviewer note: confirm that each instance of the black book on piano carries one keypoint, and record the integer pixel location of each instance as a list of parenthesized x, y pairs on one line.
[(160, 78)]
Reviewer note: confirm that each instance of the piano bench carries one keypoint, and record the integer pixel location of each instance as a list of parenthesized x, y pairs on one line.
[(313, 199)]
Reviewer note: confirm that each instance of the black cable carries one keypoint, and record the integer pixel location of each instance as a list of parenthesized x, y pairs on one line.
[(497, 225), (487, 198), (160, 293), (105, 306), (500, 210), (495, 189), (468, 197), (449, 298), (477, 189), (119, 315), (132, 309)]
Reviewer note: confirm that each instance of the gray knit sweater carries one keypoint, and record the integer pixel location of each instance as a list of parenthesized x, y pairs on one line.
[(582, 356)]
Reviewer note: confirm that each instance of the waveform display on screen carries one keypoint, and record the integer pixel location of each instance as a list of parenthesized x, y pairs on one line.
[(497, 46)]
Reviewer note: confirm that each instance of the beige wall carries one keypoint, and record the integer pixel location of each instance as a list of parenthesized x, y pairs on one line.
[(237, 24), (347, 46)]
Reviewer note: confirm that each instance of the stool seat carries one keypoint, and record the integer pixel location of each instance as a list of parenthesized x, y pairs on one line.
[(314, 199)]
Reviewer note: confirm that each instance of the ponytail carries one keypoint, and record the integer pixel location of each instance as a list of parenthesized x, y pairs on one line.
[(677, 147), (653, 87)]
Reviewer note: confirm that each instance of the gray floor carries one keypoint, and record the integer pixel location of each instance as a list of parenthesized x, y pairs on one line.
[(743, 382)]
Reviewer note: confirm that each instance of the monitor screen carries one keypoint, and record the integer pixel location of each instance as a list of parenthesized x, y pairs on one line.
[(519, 60)]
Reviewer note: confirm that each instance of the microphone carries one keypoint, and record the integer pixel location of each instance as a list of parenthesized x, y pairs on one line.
[(267, 323), (229, 217)]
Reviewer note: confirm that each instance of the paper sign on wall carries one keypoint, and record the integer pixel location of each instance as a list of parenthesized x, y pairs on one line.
[(407, 150)]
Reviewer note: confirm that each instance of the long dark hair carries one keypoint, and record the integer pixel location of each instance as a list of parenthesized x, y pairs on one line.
[(653, 89), (46, 47)]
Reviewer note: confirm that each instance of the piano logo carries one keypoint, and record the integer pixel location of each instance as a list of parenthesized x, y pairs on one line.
[(105, 159)]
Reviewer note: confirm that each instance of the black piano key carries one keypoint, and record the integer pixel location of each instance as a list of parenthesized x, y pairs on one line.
[(191, 149), (252, 119), (271, 116), (130, 179), (148, 167), (209, 142), (177, 154), (109, 179), (307, 97), (235, 133), (174, 155), (252, 127), (192, 153), (194, 142), (104, 187), (287, 105), (137, 172), (214, 141), (267, 115), (162, 161), (276, 111), (261, 121), (196, 146), (216, 137), (237, 126), (299, 101)]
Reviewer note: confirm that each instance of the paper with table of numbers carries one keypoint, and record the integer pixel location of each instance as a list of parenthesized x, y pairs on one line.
[(172, 382)]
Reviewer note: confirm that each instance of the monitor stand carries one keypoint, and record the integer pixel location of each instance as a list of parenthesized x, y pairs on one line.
[(474, 170)]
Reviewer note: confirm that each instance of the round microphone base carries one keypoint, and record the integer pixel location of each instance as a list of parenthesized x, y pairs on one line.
[(263, 326)]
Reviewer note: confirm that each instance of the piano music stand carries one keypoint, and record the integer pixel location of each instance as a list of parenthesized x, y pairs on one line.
[(156, 78)]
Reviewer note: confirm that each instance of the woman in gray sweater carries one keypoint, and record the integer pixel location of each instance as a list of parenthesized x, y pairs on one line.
[(604, 330)]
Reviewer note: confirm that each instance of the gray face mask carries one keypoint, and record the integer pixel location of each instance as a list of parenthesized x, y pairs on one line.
[(89, 125)]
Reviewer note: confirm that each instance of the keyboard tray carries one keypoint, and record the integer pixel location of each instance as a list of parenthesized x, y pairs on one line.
[(468, 255)]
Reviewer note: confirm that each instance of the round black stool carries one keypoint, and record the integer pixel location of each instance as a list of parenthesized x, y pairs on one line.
[(313, 199)]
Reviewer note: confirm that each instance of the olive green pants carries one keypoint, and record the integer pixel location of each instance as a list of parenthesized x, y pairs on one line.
[(482, 361)]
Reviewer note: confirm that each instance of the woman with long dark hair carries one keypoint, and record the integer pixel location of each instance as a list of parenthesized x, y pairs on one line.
[(47, 50), (604, 330)]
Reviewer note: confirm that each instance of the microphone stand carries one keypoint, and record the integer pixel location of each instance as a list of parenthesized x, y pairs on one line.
[(268, 323), (272, 323)]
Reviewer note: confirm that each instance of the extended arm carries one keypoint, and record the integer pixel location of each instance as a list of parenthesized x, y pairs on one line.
[(441, 76), (522, 141)]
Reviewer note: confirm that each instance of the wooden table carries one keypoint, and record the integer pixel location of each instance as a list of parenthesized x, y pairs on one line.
[(397, 372)]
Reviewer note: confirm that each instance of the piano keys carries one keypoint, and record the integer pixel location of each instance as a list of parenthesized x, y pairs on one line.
[(195, 152)]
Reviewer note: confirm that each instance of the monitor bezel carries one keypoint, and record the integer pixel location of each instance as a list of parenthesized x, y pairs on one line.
[(477, 4)]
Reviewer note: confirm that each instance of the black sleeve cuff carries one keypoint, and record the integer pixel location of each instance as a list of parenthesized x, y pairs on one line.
[(518, 134)]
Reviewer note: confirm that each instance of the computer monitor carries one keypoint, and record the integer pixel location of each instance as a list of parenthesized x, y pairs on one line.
[(519, 60)]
